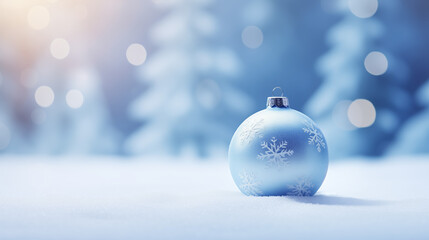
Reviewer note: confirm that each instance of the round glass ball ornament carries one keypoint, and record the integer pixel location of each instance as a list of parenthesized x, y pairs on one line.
[(278, 151)]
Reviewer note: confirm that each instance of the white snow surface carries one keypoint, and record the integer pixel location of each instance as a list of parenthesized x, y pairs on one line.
[(108, 198)]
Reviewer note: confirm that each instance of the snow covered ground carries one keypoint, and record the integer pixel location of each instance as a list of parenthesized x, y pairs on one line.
[(76, 198)]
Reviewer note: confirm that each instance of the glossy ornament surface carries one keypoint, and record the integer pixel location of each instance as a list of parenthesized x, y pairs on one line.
[(278, 151)]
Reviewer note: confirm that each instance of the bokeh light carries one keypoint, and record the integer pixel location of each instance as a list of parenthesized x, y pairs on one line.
[(361, 113), (60, 48), (4, 136), (376, 63), (363, 8), (252, 37), (74, 98), (136, 54), (38, 17), (44, 96)]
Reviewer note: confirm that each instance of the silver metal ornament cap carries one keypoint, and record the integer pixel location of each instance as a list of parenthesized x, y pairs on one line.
[(277, 101)]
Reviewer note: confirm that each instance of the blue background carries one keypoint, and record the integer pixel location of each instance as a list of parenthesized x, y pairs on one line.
[(200, 79)]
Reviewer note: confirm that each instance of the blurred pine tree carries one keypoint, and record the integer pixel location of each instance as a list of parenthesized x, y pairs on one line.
[(361, 65), (192, 102)]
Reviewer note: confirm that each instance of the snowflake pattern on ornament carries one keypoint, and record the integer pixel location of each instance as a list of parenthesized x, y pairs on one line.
[(302, 188), (315, 136), (276, 154), (249, 184), (251, 129)]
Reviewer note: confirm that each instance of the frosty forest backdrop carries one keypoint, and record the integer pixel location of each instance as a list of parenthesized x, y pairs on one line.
[(178, 77)]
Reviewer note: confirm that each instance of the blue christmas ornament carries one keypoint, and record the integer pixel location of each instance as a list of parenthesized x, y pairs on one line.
[(278, 151)]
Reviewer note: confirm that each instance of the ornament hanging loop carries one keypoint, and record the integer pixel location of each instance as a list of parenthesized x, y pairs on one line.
[(274, 89), (277, 101)]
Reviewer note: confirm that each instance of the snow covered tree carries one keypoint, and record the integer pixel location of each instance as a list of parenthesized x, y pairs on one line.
[(77, 122), (5, 125), (90, 128), (411, 41), (291, 43), (413, 137), (191, 104), (357, 68), (16, 56), (6, 113)]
